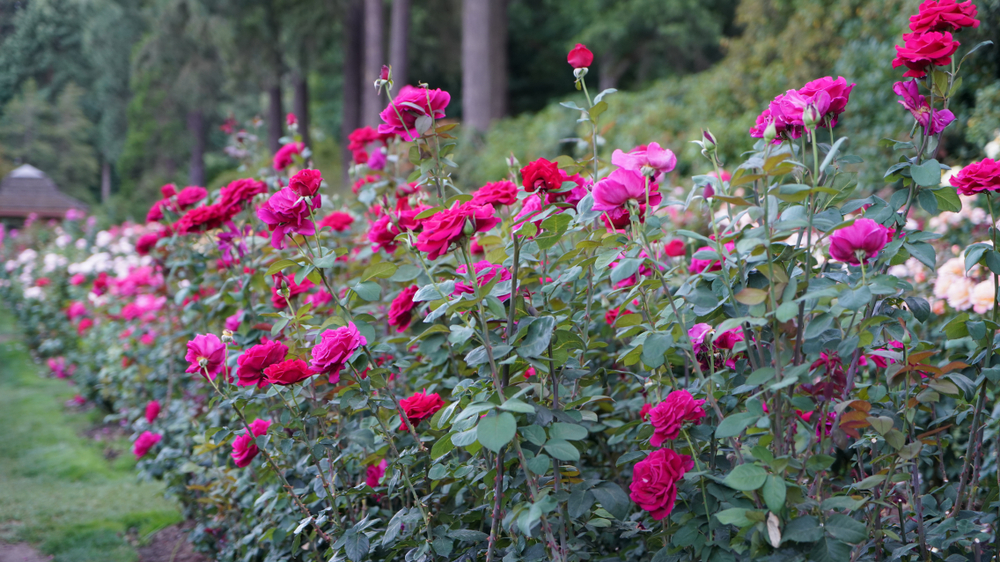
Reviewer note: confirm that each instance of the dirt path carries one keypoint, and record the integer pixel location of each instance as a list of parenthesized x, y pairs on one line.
[(20, 553), (167, 545)]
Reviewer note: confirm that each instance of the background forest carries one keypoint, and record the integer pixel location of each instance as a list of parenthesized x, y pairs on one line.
[(113, 98)]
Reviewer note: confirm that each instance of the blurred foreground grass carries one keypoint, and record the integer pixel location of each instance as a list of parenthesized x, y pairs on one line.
[(57, 489)]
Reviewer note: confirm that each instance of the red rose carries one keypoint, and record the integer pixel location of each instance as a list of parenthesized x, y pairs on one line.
[(84, 325), (654, 481), (580, 56), (144, 443), (168, 190), (283, 158), (401, 309), (674, 248), (254, 360), (668, 416), (146, 242), (155, 212), (921, 50), (613, 314), (449, 226), (978, 177), (382, 234), (541, 174), (240, 191), (306, 183), (245, 446), (374, 473), (337, 220), (152, 411), (420, 406), (502, 192), (205, 218), (644, 411), (288, 372), (945, 15), (334, 349), (191, 195)]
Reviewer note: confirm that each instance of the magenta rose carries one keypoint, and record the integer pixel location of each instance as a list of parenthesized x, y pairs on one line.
[(400, 117), (334, 349), (541, 175), (294, 289), (205, 354), (921, 50), (245, 446), (146, 243), (286, 213), (650, 160), (241, 191), (944, 15), (934, 121), (420, 406), (283, 158), (382, 234), (668, 417), (152, 411), (401, 309), (978, 177), (700, 266), (624, 189), (374, 473), (486, 272), (288, 372), (144, 443), (654, 481), (863, 240), (580, 56), (306, 183), (191, 195), (254, 360), (338, 221), (450, 226), (502, 192), (839, 92)]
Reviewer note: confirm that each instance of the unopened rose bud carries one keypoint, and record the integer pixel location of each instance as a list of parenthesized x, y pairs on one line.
[(707, 140), (386, 73), (512, 162), (810, 117), (709, 192), (469, 228), (770, 133)]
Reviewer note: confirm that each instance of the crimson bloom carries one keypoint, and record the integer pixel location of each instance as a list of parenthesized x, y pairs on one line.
[(580, 56), (334, 349), (863, 240), (146, 243), (654, 481), (450, 226), (245, 445), (255, 360), (541, 175), (338, 221), (400, 117), (978, 177), (288, 372), (241, 191), (401, 309), (286, 213), (152, 410), (374, 473), (932, 121), (668, 417), (420, 406), (283, 158), (144, 443), (205, 218), (502, 192), (944, 15), (306, 183), (206, 354), (921, 50), (674, 248)]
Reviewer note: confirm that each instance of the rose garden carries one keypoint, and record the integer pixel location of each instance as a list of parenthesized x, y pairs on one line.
[(589, 358)]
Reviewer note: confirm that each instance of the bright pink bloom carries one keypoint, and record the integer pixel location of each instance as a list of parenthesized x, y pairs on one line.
[(644, 411), (241, 191), (649, 160), (654, 481), (485, 273), (450, 226), (334, 349), (207, 349), (382, 234), (420, 406), (401, 309), (84, 325), (254, 360), (674, 248), (838, 91), (245, 445), (76, 309), (410, 104), (862, 240), (77, 279), (374, 473), (944, 15), (337, 221), (306, 183), (502, 192), (144, 443), (978, 177), (286, 213), (288, 372), (283, 158), (580, 56), (932, 121), (668, 417), (233, 322), (294, 289), (191, 195), (921, 50), (624, 189), (146, 243), (152, 410), (700, 266)]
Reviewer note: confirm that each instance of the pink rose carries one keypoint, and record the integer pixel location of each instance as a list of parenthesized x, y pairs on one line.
[(294, 289), (450, 226), (944, 15), (382, 234), (921, 50), (978, 177), (650, 160), (337, 221), (191, 195), (75, 310), (700, 266), (401, 309), (285, 213), (283, 158), (502, 192), (669, 416), (77, 279), (580, 56), (306, 183), (485, 273), (862, 240), (624, 190), (654, 481), (838, 91), (233, 322), (152, 411), (146, 243), (144, 443), (674, 248), (420, 406), (933, 121), (254, 360), (287, 372), (401, 115), (245, 445), (240, 191), (334, 349), (207, 349), (374, 473)]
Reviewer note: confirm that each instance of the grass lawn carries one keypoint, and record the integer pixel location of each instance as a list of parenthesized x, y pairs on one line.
[(57, 489)]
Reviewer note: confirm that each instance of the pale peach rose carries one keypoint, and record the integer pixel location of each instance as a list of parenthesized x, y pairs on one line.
[(960, 293), (947, 274), (982, 296), (938, 307)]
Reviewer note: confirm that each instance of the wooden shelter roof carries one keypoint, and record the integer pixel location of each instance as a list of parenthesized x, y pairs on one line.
[(28, 190)]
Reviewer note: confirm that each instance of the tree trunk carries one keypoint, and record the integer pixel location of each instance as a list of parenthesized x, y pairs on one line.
[(610, 71), (196, 127), (372, 103), (353, 45), (399, 38), (275, 120), (105, 181), (301, 104), (476, 87), (498, 59)]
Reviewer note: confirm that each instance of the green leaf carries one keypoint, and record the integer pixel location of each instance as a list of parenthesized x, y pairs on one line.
[(947, 199), (846, 529), (842, 502), (829, 550), (540, 464), (515, 405), (536, 341), (746, 478), (774, 493), (278, 266), (920, 308), (927, 174), (803, 529), (654, 349), (854, 299), (356, 545), (443, 547), (734, 516), (735, 424), (626, 268), (568, 431), (495, 431), (787, 311), (993, 261), (468, 535), (923, 252), (368, 290), (751, 297), (442, 446), (562, 450), (613, 499), (381, 270)]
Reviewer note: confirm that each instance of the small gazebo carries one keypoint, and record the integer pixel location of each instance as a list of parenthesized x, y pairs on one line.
[(28, 190)]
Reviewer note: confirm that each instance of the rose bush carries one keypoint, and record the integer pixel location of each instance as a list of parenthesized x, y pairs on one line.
[(588, 359)]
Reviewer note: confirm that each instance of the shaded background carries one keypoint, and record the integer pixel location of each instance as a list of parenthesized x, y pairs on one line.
[(113, 98)]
